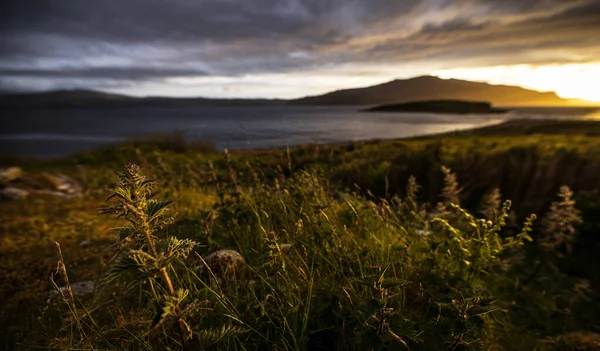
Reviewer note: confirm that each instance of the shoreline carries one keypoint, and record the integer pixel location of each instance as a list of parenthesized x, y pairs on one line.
[(481, 130)]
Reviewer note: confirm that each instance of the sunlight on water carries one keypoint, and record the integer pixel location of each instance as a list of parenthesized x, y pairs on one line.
[(594, 115)]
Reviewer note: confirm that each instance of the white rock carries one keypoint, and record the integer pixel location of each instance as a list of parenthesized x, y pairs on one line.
[(13, 193), (62, 185), (85, 243), (224, 261), (10, 174)]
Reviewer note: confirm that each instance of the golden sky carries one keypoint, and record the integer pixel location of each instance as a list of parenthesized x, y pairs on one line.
[(293, 48), (569, 81)]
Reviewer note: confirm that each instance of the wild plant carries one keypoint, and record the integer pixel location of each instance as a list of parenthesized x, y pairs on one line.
[(558, 226), (66, 295), (491, 205), (450, 193), (324, 268), (369, 256), (140, 256)]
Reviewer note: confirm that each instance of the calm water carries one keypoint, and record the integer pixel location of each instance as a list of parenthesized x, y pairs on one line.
[(53, 133)]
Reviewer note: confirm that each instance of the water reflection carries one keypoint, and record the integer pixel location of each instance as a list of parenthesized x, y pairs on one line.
[(594, 115), (50, 133)]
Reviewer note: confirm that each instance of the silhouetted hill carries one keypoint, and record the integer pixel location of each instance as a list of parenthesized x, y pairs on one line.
[(439, 106), (433, 88), (397, 91), (61, 98), (94, 99)]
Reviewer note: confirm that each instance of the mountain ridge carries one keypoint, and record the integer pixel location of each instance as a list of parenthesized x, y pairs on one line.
[(433, 88), (98, 99), (420, 88)]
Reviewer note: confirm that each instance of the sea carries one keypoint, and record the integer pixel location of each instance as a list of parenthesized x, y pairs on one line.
[(48, 133)]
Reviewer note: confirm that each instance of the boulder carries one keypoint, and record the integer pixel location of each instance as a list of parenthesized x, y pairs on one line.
[(61, 185), (224, 261), (12, 193), (10, 174)]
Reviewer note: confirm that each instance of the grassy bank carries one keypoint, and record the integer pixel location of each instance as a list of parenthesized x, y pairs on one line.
[(352, 246)]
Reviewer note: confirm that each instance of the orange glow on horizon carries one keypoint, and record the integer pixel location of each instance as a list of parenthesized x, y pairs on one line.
[(569, 81)]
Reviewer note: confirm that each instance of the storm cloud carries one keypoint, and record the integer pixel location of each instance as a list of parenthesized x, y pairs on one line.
[(48, 44)]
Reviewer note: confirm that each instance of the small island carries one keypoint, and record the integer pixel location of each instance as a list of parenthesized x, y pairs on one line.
[(439, 106)]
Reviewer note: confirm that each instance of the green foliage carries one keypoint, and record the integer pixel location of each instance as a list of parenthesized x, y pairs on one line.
[(215, 337), (364, 268), (148, 260), (169, 306), (343, 248)]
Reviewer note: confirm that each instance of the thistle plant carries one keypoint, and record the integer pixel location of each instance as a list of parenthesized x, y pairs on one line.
[(138, 252), (145, 215)]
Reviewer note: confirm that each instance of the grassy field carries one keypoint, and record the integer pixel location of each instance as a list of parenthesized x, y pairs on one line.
[(394, 245)]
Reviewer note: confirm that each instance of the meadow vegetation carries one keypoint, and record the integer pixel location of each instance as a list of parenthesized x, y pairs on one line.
[(480, 240)]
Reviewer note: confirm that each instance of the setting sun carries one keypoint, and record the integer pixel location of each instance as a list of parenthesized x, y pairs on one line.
[(569, 81)]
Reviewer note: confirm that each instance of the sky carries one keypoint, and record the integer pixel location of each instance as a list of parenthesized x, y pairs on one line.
[(294, 48)]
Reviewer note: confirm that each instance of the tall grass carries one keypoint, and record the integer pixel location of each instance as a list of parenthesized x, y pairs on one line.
[(359, 246), (322, 270)]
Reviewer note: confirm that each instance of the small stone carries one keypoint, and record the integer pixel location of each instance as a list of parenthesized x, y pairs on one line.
[(85, 243), (224, 261), (11, 193), (49, 192), (10, 174), (61, 185)]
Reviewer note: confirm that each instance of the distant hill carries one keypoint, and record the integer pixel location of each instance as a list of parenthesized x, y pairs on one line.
[(439, 106), (433, 88), (94, 99), (397, 91)]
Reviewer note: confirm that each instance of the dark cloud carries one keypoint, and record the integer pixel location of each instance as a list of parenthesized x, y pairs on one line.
[(569, 36), (90, 42), (122, 73)]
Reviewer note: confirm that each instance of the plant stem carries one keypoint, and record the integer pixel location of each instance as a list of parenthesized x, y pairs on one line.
[(165, 274), (167, 279)]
